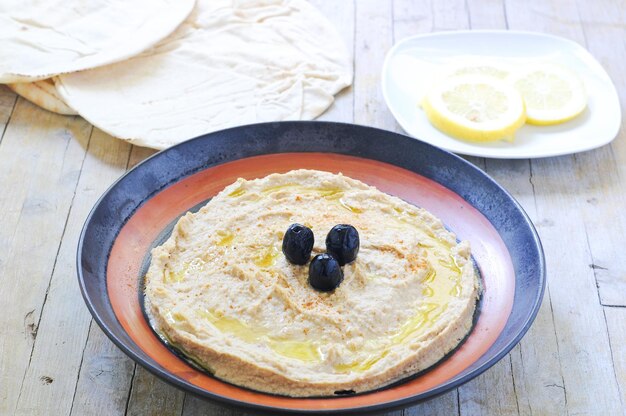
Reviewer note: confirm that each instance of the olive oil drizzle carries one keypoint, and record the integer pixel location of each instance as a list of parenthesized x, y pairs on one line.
[(237, 192), (363, 365), (226, 238), (171, 276), (300, 350), (267, 257), (330, 193)]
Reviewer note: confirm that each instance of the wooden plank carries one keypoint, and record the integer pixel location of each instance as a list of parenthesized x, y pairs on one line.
[(411, 17), (616, 322), (539, 385), (106, 373), (64, 326), (41, 156), (602, 173), (373, 38), (535, 361), (605, 31), (7, 102), (491, 393), (486, 14), (600, 192), (447, 404), (151, 396), (104, 379), (578, 317), (195, 406), (450, 15), (138, 154), (341, 14)]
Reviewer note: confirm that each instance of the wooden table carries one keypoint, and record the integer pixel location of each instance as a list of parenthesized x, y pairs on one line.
[(55, 361)]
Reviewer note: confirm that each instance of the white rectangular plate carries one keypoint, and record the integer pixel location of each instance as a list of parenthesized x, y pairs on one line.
[(414, 63)]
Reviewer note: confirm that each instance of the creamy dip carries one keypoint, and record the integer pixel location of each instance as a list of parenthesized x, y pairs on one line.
[(221, 291)]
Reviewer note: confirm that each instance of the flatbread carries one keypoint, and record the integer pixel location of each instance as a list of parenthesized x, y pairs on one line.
[(42, 38), (230, 63), (44, 94)]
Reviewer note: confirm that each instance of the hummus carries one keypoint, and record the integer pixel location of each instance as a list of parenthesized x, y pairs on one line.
[(221, 291)]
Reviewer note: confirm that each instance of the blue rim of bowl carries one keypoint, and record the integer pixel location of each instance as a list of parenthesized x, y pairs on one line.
[(454, 382)]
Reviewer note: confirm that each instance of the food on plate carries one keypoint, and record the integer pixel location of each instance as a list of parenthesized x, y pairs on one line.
[(221, 291), (39, 40), (229, 63), (44, 94), (475, 108), (552, 93)]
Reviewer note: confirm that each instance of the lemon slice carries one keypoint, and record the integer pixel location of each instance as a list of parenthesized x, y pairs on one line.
[(552, 94), (475, 108)]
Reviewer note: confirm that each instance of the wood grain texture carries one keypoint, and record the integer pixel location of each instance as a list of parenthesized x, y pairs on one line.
[(580, 327), (446, 404), (487, 14), (7, 103), (491, 393), (603, 172), (373, 38), (41, 155), (616, 322), (601, 201), (450, 15), (50, 381), (578, 317), (411, 17), (138, 154), (535, 361), (151, 396), (55, 360), (107, 374), (195, 406), (105, 377)]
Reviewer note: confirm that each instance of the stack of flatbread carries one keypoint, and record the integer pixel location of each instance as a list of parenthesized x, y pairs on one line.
[(157, 72)]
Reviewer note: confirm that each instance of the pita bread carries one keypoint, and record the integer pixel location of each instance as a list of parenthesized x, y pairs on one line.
[(42, 38), (231, 62), (44, 94)]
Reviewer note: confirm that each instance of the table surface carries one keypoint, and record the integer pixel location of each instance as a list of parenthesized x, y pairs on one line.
[(54, 360)]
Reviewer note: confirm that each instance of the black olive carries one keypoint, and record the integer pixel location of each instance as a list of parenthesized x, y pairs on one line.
[(343, 243), (325, 273), (298, 243)]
